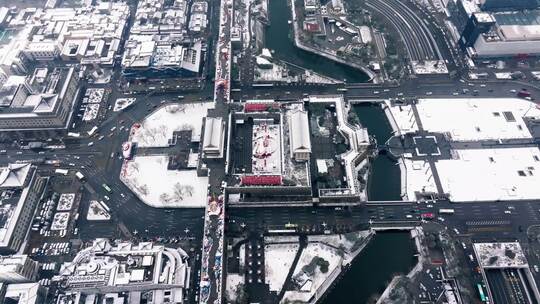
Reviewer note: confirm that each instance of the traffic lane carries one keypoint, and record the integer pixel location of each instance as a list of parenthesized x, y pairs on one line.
[(275, 217)]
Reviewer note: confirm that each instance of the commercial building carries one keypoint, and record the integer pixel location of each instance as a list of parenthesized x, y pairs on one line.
[(311, 7), (153, 55), (198, 19), (493, 28), (40, 104), (160, 17), (18, 269), (516, 33), (90, 35), (478, 24), (299, 137), (21, 188), (158, 44), (41, 50), (494, 140), (494, 5), (24, 293), (125, 273)]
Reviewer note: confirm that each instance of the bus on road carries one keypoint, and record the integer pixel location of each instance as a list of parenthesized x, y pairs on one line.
[(483, 297), (446, 211), (61, 171), (107, 188)]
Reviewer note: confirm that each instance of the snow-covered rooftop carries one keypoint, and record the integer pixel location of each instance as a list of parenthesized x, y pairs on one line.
[(158, 127), (416, 177), (505, 174), (266, 156), (172, 188), (500, 255), (316, 279), (278, 260), (299, 131), (469, 118)]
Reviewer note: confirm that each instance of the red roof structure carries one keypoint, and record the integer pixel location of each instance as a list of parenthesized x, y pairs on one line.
[(261, 180), (255, 107)]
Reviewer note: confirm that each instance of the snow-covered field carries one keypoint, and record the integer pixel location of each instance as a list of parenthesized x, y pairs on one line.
[(266, 156), (278, 259), (233, 280), (60, 221), (313, 250), (158, 127), (149, 179), (96, 212)]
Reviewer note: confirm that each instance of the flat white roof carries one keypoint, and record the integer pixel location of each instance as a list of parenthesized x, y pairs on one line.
[(491, 174), (416, 178), (500, 255), (469, 118)]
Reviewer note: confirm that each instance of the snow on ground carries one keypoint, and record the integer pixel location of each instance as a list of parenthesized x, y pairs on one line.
[(278, 259), (96, 212), (60, 221), (313, 250), (418, 178), (158, 127), (149, 179), (339, 240), (233, 280), (266, 155)]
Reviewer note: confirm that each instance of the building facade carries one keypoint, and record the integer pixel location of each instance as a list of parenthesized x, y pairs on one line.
[(18, 269), (22, 188)]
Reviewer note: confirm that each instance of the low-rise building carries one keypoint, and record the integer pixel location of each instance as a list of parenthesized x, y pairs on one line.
[(18, 269), (311, 7), (198, 19), (300, 142), (42, 51)]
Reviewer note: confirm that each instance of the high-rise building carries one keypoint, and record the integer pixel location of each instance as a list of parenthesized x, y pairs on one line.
[(497, 5), (25, 293), (18, 269), (478, 24), (20, 188)]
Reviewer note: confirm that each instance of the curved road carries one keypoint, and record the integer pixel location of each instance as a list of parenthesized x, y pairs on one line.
[(417, 38)]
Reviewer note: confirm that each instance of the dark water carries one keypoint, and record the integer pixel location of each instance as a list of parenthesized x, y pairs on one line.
[(387, 254), (279, 39), (384, 183)]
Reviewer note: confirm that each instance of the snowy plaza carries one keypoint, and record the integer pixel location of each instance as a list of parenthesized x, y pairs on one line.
[(157, 129), (266, 149), (149, 179)]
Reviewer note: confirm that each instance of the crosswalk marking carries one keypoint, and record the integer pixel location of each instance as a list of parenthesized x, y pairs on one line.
[(487, 222)]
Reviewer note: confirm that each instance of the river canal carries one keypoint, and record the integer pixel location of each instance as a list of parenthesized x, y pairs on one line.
[(279, 38)]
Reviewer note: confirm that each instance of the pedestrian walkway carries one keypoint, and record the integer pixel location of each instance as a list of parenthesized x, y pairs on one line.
[(488, 223)]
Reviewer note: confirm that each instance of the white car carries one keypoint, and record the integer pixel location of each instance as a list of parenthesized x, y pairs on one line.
[(507, 212)]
